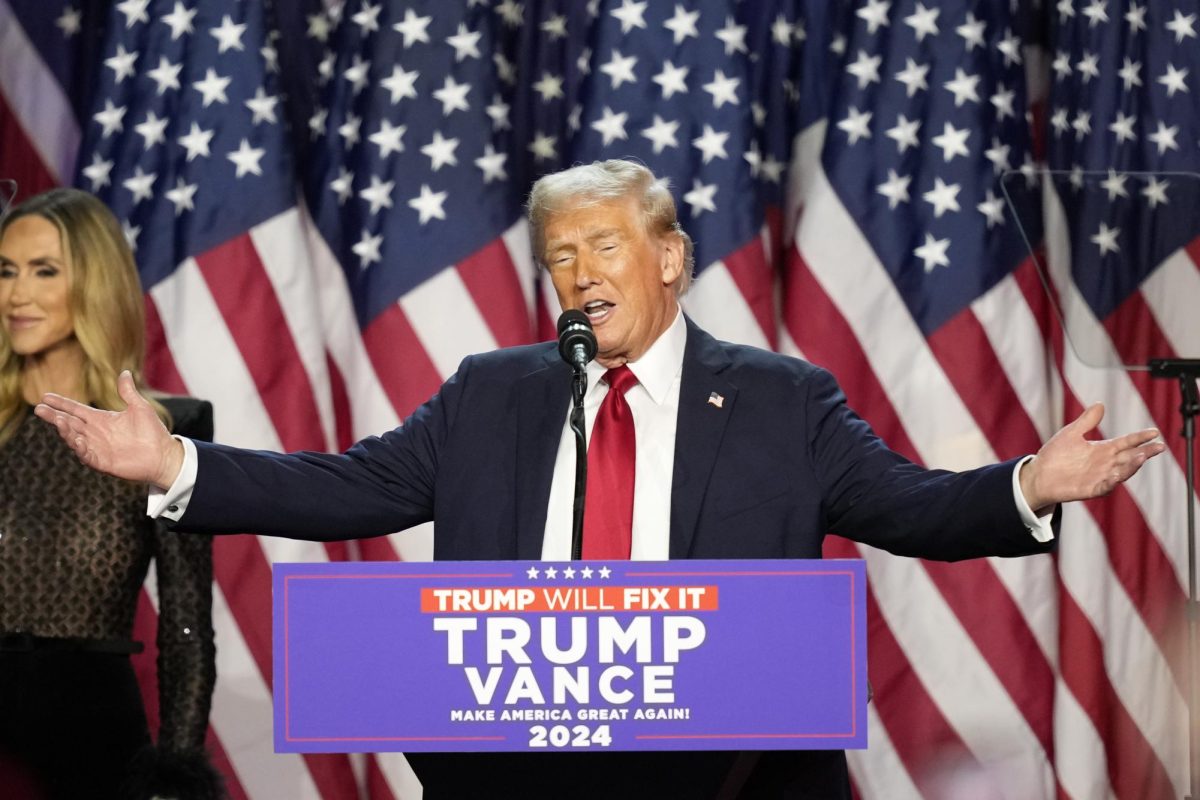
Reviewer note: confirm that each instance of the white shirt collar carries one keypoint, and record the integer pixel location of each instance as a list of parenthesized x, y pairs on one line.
[(659, 366)]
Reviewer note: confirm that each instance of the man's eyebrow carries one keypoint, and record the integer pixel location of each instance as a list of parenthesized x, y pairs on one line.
[(552, 244), (602, 233), (590, 236)]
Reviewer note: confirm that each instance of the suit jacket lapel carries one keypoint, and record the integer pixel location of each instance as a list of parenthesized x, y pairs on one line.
[(706, 401), (542, 399)]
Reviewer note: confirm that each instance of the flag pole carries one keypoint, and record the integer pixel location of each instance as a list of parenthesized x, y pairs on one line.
[(1187, 370)]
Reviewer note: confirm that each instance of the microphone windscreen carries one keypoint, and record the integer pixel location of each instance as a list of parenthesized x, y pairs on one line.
[(572, 316), (576, 341)]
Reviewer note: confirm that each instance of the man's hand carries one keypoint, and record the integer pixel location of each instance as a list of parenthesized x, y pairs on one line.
[(1070, 467), (132, 444)]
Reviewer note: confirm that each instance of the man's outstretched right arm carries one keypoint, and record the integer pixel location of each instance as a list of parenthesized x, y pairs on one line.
[(380, 485), (132, 444)]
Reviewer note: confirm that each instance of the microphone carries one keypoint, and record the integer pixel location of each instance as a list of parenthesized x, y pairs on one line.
[(577, 346), (576, 341)]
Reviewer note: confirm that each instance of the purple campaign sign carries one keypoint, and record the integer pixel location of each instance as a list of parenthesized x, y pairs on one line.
[(542, 656)]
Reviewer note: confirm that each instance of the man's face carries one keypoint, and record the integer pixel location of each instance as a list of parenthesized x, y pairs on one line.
[(603, 263)]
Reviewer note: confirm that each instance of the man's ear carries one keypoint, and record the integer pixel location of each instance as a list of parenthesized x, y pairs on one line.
[(672, 258)]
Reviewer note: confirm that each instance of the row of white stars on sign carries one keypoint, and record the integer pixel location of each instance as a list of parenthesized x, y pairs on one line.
[(568, 573)]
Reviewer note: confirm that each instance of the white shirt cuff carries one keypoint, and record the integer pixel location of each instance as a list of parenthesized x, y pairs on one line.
[(173, 502), (1039, 527)]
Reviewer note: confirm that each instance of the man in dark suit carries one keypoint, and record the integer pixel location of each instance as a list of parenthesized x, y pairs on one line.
[(739, 453)]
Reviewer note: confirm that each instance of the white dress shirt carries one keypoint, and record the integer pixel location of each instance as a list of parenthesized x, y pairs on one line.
[(654, 403)]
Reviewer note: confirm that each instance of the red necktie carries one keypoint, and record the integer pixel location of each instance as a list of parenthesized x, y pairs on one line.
[(608, 509)]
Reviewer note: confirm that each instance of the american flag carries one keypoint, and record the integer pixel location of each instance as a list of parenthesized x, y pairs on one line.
[(1122, 251), (840, 167)]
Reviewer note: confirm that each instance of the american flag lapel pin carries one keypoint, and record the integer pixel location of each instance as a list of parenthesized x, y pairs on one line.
[(716, 400)]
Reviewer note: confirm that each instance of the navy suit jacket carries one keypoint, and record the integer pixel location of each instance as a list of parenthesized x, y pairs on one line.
[(762, 472)]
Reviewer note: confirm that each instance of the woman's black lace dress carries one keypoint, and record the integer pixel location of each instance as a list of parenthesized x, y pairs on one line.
[(74, 551)]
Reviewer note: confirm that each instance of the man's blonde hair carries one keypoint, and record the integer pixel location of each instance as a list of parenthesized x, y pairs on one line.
[(604, 181)]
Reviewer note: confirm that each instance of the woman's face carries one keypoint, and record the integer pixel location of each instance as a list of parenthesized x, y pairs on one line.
[(34, 287)]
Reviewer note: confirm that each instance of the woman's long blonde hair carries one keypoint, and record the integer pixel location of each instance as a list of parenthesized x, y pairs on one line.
[(105, 299)]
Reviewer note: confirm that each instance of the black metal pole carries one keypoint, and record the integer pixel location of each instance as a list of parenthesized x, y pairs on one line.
[(579, 428), (1189, 408), (1187, 370)]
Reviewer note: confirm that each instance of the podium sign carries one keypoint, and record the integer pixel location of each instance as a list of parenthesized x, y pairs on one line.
[(543, 656)]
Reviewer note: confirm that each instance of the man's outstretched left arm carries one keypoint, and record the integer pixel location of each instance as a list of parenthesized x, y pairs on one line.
[(1070, 467)]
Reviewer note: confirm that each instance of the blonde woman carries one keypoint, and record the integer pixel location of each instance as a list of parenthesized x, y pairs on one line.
[(75, 546)]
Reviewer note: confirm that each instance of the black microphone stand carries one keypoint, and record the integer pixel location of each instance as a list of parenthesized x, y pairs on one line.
[(579, 428), (577, 346), (1187, 370)]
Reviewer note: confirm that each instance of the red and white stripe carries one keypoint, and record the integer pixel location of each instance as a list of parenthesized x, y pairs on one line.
[(965, 658), (37, 131), (1050, 677), (39, 139)]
